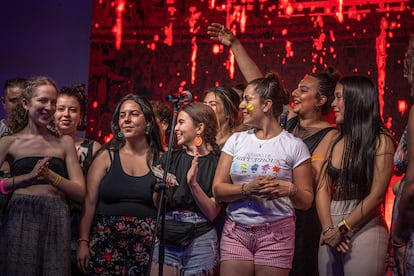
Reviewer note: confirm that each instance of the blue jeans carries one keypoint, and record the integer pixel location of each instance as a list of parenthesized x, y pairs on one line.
[(200, 255)]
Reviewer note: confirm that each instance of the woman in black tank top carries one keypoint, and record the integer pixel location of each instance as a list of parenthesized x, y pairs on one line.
[(119, 215)]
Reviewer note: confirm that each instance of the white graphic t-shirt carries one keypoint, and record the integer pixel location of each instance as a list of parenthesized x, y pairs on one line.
[(253, 157)]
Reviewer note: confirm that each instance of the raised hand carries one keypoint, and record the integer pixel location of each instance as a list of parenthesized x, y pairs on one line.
[(221, 34), (192, 172)]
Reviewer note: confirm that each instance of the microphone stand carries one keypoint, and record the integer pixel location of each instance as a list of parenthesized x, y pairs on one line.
[(162, 201)]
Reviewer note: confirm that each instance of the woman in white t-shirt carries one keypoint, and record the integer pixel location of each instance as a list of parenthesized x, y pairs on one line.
[(263, 173)]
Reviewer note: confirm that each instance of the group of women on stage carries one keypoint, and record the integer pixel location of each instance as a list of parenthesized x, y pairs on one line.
[(245, 194)]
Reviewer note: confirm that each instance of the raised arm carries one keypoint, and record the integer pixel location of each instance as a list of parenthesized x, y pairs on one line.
[(206, 204), (247, 66)]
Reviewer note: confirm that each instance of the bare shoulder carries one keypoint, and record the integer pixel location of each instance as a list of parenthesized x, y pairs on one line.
[(385, 144), (328, 139), (66, 138), (96, 146), (7, 140)]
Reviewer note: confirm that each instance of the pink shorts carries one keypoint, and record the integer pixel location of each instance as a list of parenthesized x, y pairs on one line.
[(269, 244)]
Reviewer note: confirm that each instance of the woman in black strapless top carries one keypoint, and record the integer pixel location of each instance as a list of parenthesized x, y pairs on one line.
[(35, 239)]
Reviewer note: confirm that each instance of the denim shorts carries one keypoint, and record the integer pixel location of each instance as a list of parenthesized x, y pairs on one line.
[(201, 255), (268, 244)]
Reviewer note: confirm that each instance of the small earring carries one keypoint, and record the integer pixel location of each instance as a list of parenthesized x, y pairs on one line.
[(198, 140), (265, 110), (120, 135), (147, 130)]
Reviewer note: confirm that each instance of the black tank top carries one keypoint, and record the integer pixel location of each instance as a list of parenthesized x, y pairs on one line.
[(124, 195)]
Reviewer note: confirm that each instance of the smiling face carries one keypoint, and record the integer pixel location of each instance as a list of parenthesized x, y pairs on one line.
[(131, 120), (251, 107), (42, 104), (68, 114), (338, 104), (185, 129), (306, 98), (216, 103)]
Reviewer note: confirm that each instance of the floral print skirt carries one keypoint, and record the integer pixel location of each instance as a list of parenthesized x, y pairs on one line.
[(120, 245)]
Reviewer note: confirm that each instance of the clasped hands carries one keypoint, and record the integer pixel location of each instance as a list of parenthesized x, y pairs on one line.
[(336, 239), (269, 187), (41, 169)]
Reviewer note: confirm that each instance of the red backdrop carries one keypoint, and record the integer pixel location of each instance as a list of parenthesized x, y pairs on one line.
[(156, 48)]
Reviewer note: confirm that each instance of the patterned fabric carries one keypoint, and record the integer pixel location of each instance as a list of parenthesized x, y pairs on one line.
[(35, 239), (120, 245)]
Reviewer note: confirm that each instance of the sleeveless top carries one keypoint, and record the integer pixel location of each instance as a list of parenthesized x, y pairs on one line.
[(26, 164), (85, 155), (312, 141), (125, 195)]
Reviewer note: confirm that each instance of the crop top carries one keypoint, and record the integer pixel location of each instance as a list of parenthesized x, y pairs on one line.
[(121, 194), (337, 185), (26, 164)]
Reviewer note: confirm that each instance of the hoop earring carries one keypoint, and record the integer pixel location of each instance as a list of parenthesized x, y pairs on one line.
[(120, 135), (198, 140)]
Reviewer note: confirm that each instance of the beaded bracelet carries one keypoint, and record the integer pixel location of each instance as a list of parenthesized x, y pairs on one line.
[(2, 190), (327, 229)]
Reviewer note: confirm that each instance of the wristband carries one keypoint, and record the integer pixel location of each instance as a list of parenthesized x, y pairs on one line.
[(347, 225), (57, 180), (2, 190)]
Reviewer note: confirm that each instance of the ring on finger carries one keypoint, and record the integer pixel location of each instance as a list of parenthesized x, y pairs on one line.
[(277, 192)]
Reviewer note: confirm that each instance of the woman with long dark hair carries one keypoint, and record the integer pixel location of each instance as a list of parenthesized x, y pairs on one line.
[(350, 196), (118, 216)]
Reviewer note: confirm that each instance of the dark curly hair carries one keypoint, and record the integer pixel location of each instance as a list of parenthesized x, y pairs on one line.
[(78, 91)]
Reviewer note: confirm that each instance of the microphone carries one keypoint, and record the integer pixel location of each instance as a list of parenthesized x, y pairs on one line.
[(180, 97)]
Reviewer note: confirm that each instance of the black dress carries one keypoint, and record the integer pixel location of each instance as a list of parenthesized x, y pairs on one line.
[(308, 227)]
